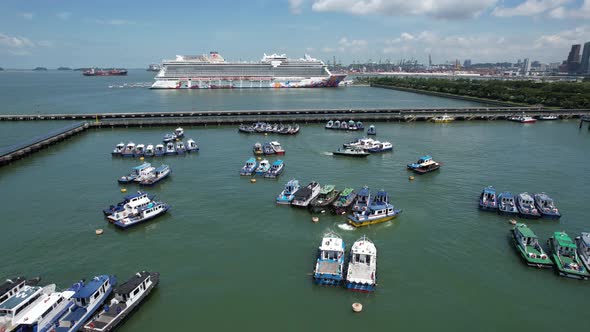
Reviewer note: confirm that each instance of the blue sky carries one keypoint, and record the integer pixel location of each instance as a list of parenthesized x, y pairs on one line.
[(133, 33)]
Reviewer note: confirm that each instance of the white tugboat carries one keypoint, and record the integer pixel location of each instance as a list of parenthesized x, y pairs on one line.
[(362, 266)]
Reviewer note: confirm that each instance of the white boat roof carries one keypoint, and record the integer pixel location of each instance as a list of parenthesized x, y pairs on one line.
[(586, 238), (331, 243), (20, 297), (275, 143), (35, 312), (364, 246)]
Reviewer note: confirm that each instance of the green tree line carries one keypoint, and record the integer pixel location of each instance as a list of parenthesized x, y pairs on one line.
[(551, 94)]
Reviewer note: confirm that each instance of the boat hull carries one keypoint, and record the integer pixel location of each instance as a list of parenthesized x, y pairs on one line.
[(357, 155), (131, 224), (358, 287), (361, 223)]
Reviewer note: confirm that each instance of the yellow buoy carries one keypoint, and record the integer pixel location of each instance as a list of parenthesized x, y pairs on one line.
[(411, 177), (357, 307), (141, 158), (253, 180), (315, 219), (123, 190), (258, 158), (99, 231), (265, 134)]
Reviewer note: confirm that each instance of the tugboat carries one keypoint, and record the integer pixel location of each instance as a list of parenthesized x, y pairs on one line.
[(250, 167), (276, 146), (133, 216), (424, 165), (378, 211), (267, 149), (488, 200), (305, 195), (362, 266), (583, 248), (88, 298), (526, 206), (380, 147), (263, 167), (180, 148), (344, 201), (155, 176), (130, 201), (129, 150), (287, 195), (191, 145), (118, 149), (149, 151), (327, 196), (160, 151), (257, 149), (527, 244), (546, 206), (506, 204), (351, 152), (362, 200), (330, 124), (371, 130), (565, 255), (170, 149), (330, 262), (275, 169), (139, 150), (136, 173), (128, 297)]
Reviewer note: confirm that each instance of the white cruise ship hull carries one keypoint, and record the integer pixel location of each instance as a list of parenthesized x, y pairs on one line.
[(245, 82)]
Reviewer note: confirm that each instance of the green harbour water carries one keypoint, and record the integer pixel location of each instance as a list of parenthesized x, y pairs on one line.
[(230, 258)]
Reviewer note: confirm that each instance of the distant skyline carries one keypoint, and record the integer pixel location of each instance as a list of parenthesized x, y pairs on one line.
[(135, 33)]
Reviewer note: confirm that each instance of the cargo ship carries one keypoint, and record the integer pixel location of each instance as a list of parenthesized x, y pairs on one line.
[(272, 71), (104, 72)]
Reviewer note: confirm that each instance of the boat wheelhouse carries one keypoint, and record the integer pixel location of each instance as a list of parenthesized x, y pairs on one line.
[(506, 203), (344, 201), (149, 151), (155, 176), (127, 297), (267, 149), (363, 198), (526, 206), (379, 210), (583, 248), (305, 195), (250, 167), (10, 287), (380, 147), (118, 149), (160, 150), (263, 167), (139, 150), (276, 169), (288, 194), (330, 262), (129, 202), (362, 266), (18, 300), (129, 150), (527, 244), (136, 173), (372, 130), (565, 255), (44, 313), (257, 149), (546, 206), (140, 214), (170, 150), (327, 195), (191, 145), (488, 200)]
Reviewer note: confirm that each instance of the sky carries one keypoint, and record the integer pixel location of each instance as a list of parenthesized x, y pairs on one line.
[(133, 33)]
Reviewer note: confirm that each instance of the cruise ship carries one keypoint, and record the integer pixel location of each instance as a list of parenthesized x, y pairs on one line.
[(272, 71)]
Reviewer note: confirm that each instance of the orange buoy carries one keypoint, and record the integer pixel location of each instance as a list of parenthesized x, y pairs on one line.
[(357, 307)]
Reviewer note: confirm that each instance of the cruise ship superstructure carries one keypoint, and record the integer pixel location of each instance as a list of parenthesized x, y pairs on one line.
[(272, 71)]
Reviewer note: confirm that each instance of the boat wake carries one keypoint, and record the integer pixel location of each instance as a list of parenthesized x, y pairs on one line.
[(327, 153), (346, 227)]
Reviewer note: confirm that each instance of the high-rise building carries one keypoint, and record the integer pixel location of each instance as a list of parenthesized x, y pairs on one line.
[(585, 63), (526, 66), (573, 59), (467, 63)]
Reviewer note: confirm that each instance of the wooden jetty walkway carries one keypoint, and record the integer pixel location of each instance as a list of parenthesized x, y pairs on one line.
[(22, 149)]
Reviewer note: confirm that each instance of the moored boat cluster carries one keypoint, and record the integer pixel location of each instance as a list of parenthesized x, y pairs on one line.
[(171, 146), (363, 147), (263, 127), (524, 204), (344, 125)]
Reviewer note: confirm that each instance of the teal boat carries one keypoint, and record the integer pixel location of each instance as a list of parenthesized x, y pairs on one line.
[(565, 255), (527, 244)]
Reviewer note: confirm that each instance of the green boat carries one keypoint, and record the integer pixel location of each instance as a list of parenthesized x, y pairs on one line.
[(327, 195), (565, 256), (527, 244), (344, 201)]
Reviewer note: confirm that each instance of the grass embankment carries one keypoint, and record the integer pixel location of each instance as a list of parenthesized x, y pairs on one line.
[(517, 93)]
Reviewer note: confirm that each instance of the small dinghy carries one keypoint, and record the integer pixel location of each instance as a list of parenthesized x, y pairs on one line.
[(488, 200), (263, 167), (330, 262), (160, 150), (527, 244), (249, 168), (506, 204), (565, 255), (118, 149), (128, 296), (359, 125), (136, 172), (352, 125), (191, 145), (371, 130), (276, 169), (362, 266), (149, 151), (278, 149), (170, 149), (546, 206), (287, 195), (169, 138), (246, 129), (424, 165), (257, 148), (155, 176), (330, 124), (139, 150), (129, 150), (267, 149), (180, 149), (179, 132), (336, 124)]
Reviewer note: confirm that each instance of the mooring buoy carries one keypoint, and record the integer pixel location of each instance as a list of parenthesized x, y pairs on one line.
[(357, 307)]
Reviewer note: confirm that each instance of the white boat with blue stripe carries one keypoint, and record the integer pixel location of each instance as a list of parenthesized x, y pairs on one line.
[(136, 215), (249, 168), (362, 266), (330, 262), (275, 169), (287, 195)]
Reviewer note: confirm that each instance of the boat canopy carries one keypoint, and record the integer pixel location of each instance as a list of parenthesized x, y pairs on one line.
[(489, 190), (131, 196), (364, 192), (277, 163), (586, 238), (132, 283), (346, 192), (507, 194), (424, 158), (332, 242), (327, 189), (142, 166), (251, 160), (563, 240), (525, 231), (91, 287)]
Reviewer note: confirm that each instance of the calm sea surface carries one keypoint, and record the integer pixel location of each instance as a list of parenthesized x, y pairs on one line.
[(231, 259)]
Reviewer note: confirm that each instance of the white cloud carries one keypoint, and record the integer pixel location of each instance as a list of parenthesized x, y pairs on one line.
[(27, 16), (447, 9), (563, 39), (114, 22), (529, 8), (575, 13), (14, 42), (295, 6), (63, 15)]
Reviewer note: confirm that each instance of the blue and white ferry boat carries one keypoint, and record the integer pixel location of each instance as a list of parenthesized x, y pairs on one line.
[(379, 210), (87, 298), (155, 176), (362, 266), (136, 172), (287, 195), (275, 169), (488, 200), (506, 203), (546, 206), (191, 145), (131, 216), (263, 167), (250, 167), (363, 198), (18, 300), (138, 199), (44, 313), (330, 262)]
